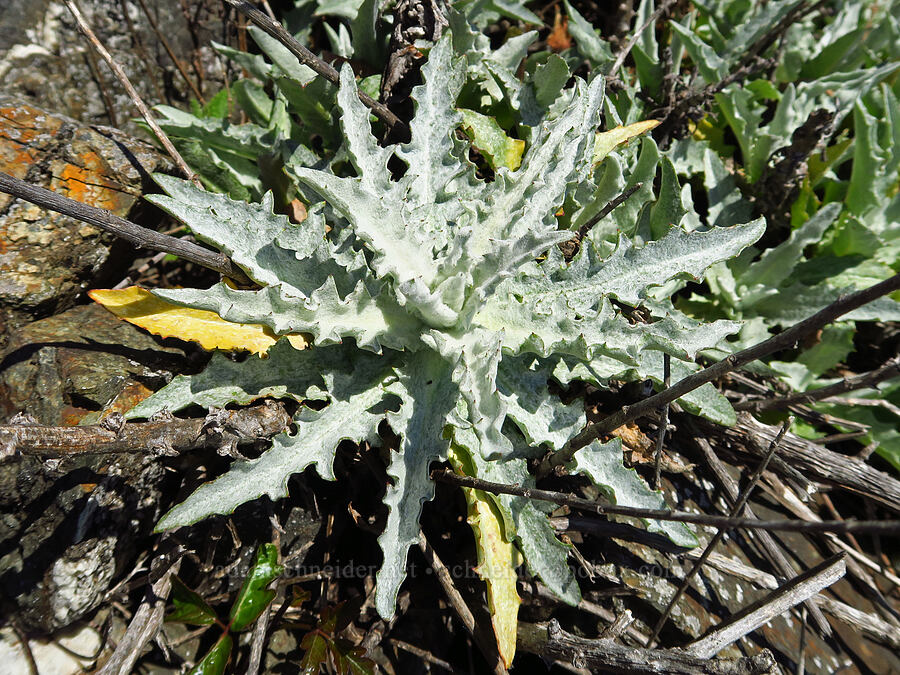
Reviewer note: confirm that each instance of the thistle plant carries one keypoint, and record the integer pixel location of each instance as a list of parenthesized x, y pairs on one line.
[(440, 304)]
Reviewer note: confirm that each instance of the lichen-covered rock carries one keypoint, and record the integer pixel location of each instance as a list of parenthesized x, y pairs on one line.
[(68, 529), (46, 259)]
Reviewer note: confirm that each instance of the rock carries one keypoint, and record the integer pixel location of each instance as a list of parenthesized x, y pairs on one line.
[(44, 58), (60, 369), (69, 529), (62, 656), (46, 259)]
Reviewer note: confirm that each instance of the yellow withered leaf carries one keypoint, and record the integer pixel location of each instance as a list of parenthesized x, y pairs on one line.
[(497, 563), (142, 308), (607, 141)]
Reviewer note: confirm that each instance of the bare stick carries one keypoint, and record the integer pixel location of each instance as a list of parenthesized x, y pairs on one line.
[(125, 229), (776, 603), (664, 421), (734, 361), (147, 619), (570, 247), (891, 527), (550, 641), (623, 54), (887, 371), (770, 547), (877, 629), (459, 605), (172, 435), (307, 58), (606, 210), (426, 656), (819, 463), (710, 547), (132, 93), (165, 43), (26, 647)]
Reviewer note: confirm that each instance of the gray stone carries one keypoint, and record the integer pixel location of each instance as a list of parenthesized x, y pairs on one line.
[(44, 58)]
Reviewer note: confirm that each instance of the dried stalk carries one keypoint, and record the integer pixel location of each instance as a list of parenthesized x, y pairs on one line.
[(776, 603), (626, 50), (224, 427), (307, 58), (840, 526), (719, 535), (459, 605), (887, 371), (124, 229), (147, 619), (549, 640), (132, 92), (771, 550)]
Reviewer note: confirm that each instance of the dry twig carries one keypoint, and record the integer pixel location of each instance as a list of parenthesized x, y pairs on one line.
[(771, 550), (172, 435), (550, 640), (776, 603), (636, 35), (125, 229), (132, 92), (307, 58), (459, 605), (849, 525), (887, 371), (719, 535), (147, 619)]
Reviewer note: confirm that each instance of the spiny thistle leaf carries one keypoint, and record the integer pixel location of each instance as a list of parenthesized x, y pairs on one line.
[(434, 305)]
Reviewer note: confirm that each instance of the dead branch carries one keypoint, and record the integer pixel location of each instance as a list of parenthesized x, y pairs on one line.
[(132, 92), (220, 428), (817, 462), (783, 340), (887, 371), (147, 619), (549, 640), (462, 610), (776, 603), (307, 58), (769, 546), (841, 526), (869, 624), (570, 247), (125, 229), (736, 510), (626, 49)]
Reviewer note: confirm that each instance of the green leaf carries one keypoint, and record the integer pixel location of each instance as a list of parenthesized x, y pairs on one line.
[(588, 43), (254, 597), (350, 659), (217, 659), (539, 414), (286, 372), (549, 79), (316, 646), (190, 607), (372, 321), (491, 141)]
